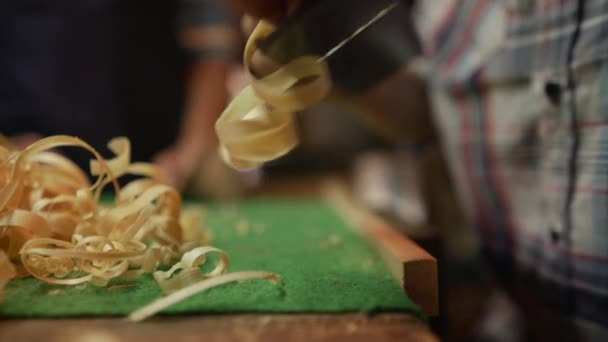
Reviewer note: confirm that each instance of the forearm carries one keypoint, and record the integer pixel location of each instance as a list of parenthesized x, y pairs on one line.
[(263, 8), (207, 95)]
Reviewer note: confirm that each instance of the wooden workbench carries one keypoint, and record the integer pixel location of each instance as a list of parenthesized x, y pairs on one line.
[(275, 327), (348, 327)]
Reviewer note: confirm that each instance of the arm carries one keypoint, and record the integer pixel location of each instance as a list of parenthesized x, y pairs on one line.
[(208, 78), (209, 37), (263, 8), (196, 137)]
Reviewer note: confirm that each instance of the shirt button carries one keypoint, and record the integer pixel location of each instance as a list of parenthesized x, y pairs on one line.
[(554, 236), (555, 231), (553, 91)]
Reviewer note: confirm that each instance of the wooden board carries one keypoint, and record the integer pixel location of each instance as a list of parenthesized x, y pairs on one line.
[(412, 265)]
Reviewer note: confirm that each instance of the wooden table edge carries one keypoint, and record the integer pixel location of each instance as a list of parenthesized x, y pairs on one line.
[(415, 268)]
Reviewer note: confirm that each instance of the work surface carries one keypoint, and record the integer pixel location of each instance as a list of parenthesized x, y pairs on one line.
[(325, 266), (346, 327)]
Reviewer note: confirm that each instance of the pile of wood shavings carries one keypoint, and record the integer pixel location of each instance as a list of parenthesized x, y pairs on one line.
[(53, 226)]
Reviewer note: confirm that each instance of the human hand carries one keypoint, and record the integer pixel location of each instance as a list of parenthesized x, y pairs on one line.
[(270, 10), (237, 80), (203, 172), (178, 163)]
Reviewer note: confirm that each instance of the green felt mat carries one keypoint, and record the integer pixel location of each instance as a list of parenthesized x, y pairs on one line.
[(325, 268)]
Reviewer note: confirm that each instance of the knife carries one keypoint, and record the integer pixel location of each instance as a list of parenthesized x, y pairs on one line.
[(363, 41)]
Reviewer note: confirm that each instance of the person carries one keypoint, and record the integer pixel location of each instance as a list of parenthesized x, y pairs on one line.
[(517, 93), (156, 73)]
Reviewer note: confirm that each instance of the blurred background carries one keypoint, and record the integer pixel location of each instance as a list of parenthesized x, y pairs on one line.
[(161, 72)]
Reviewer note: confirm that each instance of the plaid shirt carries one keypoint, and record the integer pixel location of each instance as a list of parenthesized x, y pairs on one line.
[(517, 91)]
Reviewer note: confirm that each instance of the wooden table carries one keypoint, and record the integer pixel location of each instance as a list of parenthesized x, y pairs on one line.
[(276, 327), (347, 327)]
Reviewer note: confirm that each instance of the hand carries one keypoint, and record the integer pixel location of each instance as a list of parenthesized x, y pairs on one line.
[(271, 10), (178, 163), (238, 79), (203, 172)]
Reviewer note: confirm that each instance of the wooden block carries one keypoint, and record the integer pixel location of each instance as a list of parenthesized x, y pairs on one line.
[(412, 265), (418, 269)]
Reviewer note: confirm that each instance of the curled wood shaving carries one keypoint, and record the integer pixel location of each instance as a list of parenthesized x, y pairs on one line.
[(196, 288), (7, 272), (61, 234), (188, 271), (53, 227), (258, 125)]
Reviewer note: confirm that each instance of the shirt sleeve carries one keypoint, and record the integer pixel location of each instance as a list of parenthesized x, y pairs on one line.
[(208, 29)]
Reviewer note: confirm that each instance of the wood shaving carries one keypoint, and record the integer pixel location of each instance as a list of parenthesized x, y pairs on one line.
[(53, 226), (196, 288), (121, 287), (367, 264), (259, 228), (58, 231), (334, 240), (54, 292), (243, 227), (258, 125), (7, 272)]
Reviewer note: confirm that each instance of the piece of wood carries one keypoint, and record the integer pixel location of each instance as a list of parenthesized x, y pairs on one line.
[(412, 265), (347, 327), (419, 269)]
